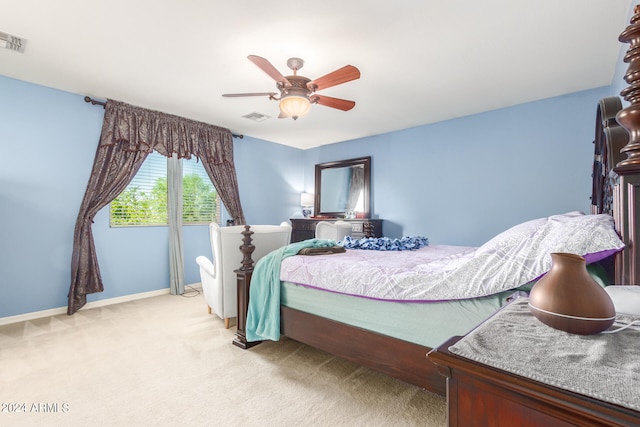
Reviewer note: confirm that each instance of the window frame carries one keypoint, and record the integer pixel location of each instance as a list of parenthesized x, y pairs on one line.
[(190, 166)]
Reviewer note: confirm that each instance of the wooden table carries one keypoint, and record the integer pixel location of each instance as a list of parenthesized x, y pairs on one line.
[(480, 395)]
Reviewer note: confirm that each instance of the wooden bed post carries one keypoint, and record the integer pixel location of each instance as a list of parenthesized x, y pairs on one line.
[(243, 282), (627, 195)]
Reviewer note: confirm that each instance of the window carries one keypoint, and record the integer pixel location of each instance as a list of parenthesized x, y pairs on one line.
[(144, 201), (200, 202)]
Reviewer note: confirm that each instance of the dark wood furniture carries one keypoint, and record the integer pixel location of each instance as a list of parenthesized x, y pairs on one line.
[(243, 282), (407, 361), (305, 228), (481, 395), (622, 172), (397, 358)]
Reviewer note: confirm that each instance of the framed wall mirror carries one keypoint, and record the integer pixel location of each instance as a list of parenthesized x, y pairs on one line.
[(343, 186)]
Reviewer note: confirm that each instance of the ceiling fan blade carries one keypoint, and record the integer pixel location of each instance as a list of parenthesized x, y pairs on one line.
[(266, 66), (237, 95), (328, 101), (342, 75)]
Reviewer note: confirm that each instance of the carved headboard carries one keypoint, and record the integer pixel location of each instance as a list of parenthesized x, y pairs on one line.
[(616, 166), (610, 138)]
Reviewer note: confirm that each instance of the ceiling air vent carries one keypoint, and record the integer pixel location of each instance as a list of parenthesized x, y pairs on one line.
[(256, 117), (8, 41)]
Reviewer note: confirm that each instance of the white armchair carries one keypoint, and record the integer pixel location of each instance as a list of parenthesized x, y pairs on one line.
[(333, 230), (218, 277)]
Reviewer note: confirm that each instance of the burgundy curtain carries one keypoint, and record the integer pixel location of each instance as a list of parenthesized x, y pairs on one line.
[(128, 135)]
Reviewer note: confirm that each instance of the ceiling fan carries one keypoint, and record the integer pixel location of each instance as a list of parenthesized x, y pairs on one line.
[(297, 93)]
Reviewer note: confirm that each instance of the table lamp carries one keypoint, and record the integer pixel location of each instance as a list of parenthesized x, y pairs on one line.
[(306, 201)]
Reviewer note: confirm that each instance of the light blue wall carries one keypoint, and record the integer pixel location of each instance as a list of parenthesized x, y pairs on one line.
[(427, 180), (462, 181), (270, 177), (457, 182), (48, 140)]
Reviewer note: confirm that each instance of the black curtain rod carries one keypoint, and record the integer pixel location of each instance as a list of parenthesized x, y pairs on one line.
[(94, 102), (104, 104)]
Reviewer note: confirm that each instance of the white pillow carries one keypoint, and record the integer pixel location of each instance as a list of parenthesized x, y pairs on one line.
[(626, 299), (524, 251), (512, 238)]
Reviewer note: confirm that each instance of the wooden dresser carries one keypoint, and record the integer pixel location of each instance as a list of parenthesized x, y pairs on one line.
[(483, 395), (305, 228)]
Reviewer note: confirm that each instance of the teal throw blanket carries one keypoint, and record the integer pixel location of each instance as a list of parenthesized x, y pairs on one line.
[(263, 315)]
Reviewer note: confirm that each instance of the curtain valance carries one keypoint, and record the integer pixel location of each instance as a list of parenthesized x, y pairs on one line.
[(139, 129)]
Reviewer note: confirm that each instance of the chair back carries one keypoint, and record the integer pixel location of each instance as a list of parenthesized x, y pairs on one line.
[(225, 245), (333, 230)]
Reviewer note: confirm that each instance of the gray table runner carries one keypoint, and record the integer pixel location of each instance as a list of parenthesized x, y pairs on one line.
[(602, 366)]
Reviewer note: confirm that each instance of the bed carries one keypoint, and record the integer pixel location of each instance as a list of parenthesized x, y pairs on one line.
[(393, 337), (314, 317), (615, 193), (379, 318)]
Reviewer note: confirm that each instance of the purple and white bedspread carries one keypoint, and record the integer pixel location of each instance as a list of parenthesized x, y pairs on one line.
[(440, 272)]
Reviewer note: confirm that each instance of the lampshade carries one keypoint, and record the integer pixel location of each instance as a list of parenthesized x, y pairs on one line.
[(306, 199), (294, 106)]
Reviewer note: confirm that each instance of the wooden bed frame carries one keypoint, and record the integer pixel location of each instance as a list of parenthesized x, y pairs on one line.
[(616, 191), (397, 358)]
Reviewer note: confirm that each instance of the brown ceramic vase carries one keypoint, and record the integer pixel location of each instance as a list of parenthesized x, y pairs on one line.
[(569, 299)]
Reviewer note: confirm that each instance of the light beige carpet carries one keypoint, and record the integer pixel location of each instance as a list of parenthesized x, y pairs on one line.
[(164, 361)]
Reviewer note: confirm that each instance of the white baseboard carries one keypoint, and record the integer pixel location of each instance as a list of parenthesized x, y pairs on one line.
[(93, 304)]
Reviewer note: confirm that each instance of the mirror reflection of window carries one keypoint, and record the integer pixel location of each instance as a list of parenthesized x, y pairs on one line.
[(356, 189), (359, 206)]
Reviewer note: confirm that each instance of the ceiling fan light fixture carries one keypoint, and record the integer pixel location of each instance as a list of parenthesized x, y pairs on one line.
[(295, 106), (297, 93)]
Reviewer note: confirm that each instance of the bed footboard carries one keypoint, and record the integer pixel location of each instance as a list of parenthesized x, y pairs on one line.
[(243, 283), (397, 358)]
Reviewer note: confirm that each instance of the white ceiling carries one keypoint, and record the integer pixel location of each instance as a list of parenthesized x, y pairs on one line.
[(422, 61)]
